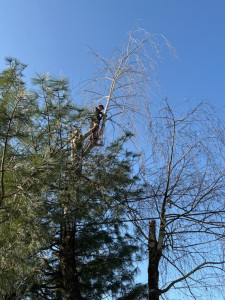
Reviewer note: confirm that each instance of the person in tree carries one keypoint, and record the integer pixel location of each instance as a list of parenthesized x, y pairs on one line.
[(96, 119), (98, 114)]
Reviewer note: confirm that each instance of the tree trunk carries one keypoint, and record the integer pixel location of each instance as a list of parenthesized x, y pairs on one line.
[(68, 228), (68, 260), (154, 258)]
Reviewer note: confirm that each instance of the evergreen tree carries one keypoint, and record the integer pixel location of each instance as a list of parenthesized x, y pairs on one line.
[(57, 210), (19, 235)]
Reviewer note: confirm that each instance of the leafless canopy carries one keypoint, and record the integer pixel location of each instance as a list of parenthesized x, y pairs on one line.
[(124, 82), (184, 175)]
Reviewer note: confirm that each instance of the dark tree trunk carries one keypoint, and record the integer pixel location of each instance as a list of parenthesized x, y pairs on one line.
[(68, 249), (154, 258), (68, 228), (68, 260)]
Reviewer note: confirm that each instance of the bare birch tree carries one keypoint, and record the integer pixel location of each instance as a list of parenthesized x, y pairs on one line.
[(124, 82)]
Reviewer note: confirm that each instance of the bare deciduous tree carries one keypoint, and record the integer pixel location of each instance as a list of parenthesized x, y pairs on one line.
[(184, 176), (125, 81)]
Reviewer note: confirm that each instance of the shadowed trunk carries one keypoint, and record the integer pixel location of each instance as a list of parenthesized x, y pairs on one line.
[(154, 258), (68, 228), (68, 260)]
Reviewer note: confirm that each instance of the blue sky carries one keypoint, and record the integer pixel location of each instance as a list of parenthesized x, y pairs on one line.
[(53, 36)]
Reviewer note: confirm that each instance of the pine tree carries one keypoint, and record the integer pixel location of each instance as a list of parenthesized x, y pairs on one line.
[(54, 206), (19, 230)]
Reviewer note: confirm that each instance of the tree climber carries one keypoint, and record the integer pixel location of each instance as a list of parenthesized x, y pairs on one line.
[(96, 119)]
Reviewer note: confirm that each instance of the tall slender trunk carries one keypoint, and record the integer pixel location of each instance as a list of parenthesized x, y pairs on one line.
[(153, 265), (68, 249), (68, 259)]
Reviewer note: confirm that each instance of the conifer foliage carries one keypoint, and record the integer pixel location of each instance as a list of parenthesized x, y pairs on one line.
[(49, 202)]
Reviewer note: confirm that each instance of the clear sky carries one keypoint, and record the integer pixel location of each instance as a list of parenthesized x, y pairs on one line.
[(53, 36)]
